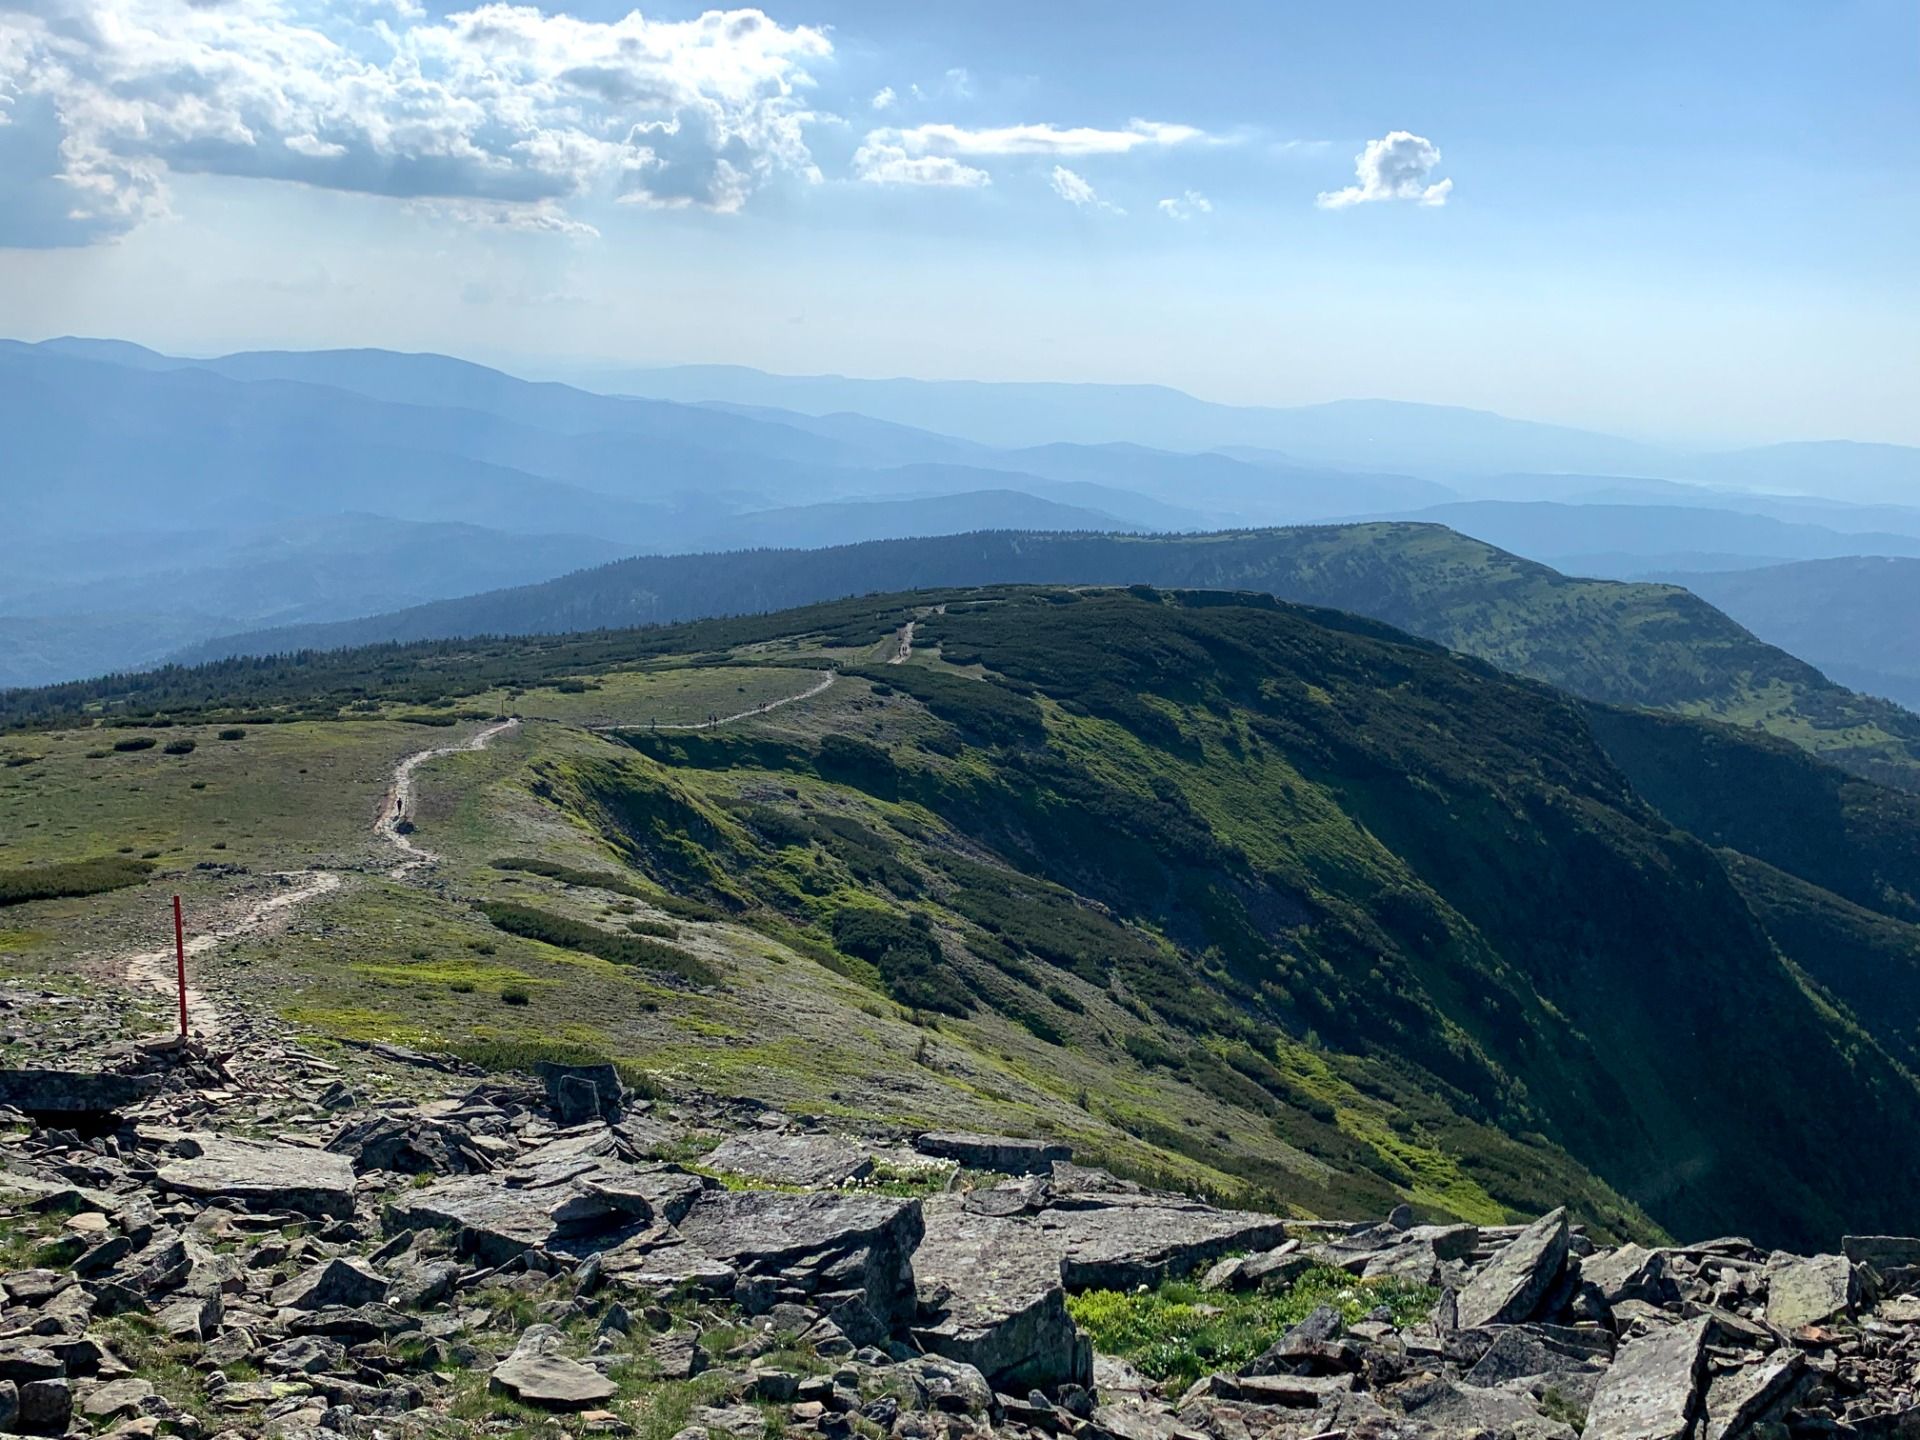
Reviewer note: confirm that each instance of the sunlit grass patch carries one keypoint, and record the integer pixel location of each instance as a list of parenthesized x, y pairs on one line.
[(1180, 1332)]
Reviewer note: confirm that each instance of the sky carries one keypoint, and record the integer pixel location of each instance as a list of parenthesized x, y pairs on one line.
[(1690, 222)]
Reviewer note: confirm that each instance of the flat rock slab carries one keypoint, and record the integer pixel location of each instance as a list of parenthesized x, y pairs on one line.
[(1512, 1284), (1122, 1242), (992, 1284), (1296, 1392), (1653, 1390), (1740, 1398), (1462, 1410), (263, 1176), (1004, 1154), (786, 1159), (537, 1373), (338, 1281), (763, 1229), (116, 1398), (569, 1197), (1809, 1291)]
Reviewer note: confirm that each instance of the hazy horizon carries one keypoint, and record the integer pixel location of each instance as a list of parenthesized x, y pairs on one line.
[(601, 374)]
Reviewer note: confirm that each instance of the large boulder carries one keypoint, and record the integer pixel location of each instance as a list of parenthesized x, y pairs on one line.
[(1510, 1287), (262, 1176), (789, 1159), (1654, 1390), (1810, 1291), (991, 1298), (579, 1093), (1001, 1153), (1632, 1272), (851, 1255)]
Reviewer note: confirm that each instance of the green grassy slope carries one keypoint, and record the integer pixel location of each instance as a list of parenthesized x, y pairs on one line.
[(1828, 862), (1632, 644), (1279, 902)]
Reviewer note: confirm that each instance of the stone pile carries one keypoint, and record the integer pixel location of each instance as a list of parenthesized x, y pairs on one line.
[(415, 1252)]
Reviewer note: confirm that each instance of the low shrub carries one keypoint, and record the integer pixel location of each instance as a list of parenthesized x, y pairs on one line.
[(571, 934), (514, 995), (233, 732), (675, 905), (911, 964), (178, 747), (135, 742)]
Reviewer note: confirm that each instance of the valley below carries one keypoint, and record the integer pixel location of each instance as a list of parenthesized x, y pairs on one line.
[(628, 1000)]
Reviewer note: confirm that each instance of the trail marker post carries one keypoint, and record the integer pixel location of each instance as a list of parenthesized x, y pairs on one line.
[(180, 961)]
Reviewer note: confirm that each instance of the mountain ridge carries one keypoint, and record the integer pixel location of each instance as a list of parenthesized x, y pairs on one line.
[(1603, 640)]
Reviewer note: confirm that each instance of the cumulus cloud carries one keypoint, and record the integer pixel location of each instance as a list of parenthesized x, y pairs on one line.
[(884, 98), (883, 164), (501, 112), (1185, 205), (958, 140), (1074, 189), (1395, 167)]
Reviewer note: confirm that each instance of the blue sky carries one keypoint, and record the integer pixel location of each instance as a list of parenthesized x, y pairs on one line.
[(1689, 222)]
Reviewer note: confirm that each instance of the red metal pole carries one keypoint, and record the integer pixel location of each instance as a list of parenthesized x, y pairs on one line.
[(180, 957)]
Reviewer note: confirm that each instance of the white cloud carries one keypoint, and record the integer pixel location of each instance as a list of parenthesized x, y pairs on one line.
[(1395, 167), (1074, 189), (503, 105), (882, 164), (884, 98), (1185, 206), (541, 217), (942, 139)]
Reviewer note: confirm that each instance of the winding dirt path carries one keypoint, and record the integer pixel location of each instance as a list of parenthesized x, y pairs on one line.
[(399, 797), (819, 686), (905, 652), (155, 969), (241, 916)]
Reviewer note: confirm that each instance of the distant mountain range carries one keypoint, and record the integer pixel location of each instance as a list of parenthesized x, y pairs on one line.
[(156, 502), (1432, 440)]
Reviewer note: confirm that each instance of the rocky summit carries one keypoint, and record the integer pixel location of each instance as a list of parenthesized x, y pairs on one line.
[(236, 1240)]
